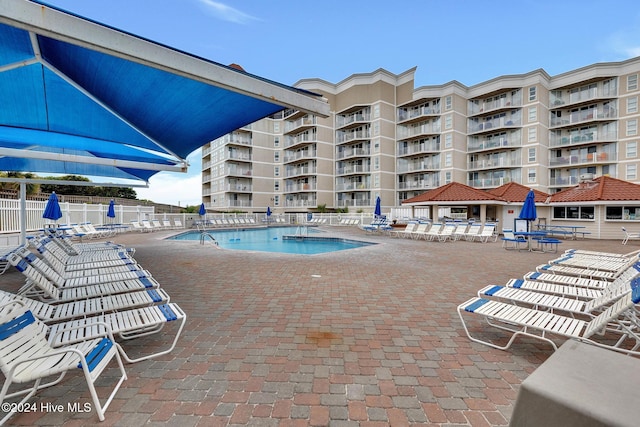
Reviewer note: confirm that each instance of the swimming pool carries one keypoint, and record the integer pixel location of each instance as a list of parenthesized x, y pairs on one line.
[(275, 239)]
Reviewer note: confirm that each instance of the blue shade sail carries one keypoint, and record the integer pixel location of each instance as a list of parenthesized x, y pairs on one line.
[(68, 83), (52, 209)]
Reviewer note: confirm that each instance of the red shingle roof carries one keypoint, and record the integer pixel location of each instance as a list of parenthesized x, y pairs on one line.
[(514, 192), (453, 192), (600, 189)]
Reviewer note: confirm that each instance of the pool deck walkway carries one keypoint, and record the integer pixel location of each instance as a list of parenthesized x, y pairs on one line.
[(364, 337)]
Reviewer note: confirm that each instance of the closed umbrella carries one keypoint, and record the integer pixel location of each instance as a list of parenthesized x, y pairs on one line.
[(111, 212), (528, 211), (202, 211), (378, 210), (52, 210), (268, 211)]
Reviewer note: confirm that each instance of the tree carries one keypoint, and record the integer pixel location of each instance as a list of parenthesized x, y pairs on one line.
[(81, 190), (14, 186)]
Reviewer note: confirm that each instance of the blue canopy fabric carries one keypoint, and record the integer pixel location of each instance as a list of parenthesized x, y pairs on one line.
[(111, 212), (71, 101), (378, 210), (203, 210), (52, 209), (528, 211)]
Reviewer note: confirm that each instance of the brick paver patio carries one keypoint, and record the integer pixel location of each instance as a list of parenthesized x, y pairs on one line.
[(365, 337)]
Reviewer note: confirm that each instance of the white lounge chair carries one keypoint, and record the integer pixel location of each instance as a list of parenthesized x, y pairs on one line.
[(510, 241), (543, 325), (447, 232), (420, 230), (629, 236), (460, 231), (406, 231), (26, 356), (488, 233), (473, 231), (433, 232)]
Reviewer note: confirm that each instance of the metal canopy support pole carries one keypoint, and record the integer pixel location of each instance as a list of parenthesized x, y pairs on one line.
[(23, 212)]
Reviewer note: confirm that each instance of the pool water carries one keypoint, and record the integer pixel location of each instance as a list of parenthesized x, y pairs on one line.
[(271, 240)]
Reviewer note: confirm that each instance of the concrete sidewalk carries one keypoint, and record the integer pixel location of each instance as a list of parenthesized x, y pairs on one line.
[(364, 337)]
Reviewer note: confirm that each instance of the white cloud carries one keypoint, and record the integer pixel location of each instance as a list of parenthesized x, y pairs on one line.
[(173, 189), (227, 13)]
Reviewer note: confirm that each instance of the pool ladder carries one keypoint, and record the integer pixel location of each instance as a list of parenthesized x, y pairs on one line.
[(203, 235), (302, 231)]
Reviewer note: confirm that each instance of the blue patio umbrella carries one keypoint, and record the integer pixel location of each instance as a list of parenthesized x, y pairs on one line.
[(111, 212), (268, 211), (203, 210), (378, 210), (528, 211), (52, 210)]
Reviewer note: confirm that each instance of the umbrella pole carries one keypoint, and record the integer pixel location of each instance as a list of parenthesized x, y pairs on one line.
[(23, 213)]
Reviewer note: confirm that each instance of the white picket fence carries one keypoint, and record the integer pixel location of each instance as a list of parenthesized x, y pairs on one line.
[(72, 213)]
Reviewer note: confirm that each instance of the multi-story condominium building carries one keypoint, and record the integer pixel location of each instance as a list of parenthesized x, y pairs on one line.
[(387, 138)]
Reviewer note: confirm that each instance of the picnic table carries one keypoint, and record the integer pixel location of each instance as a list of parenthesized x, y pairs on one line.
[(567, 230)]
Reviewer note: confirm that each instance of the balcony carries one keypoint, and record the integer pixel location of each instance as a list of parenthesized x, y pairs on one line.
[(495, 163), (490, 182), (494, 142), (493, 105), (236, 138), (418, 148), (300, 124), (239, 155), (423, 129), (419, 112), (240, 203), (301, 203), (426, 184), (354, 135), (477, 126), (564, 181), (585, 94), (237, 171), (583, 116), (299, 155), (583, 136), (238, 187), (353, 152), (300, 187), (345, 185), (359, 118), (353, 169), (300, 171), (431, 163), (299, 139), (599, 157)]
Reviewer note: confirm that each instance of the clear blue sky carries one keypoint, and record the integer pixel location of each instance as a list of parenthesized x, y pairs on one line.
[(469, 41)]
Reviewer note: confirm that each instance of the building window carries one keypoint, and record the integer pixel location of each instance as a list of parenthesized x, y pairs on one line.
[(532, 134), (447, 177), (276, 127), (532, 155), (632, 104), (376, 145), (448, 103), (448, 122), (631, 172), (376, 180), (632, 127), (276, 171), (276, 185), (376, 111), (632, 82), (448, 140), (376, 163), (276, 157), (624, 213), (376, 128), (447, 160), (276, 200), (276, 142), (533, 114), (632, 150), (574, 212), (532, 93), (531, 176)]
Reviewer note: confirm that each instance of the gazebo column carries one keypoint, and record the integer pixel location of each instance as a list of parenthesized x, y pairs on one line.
[(483, 214)]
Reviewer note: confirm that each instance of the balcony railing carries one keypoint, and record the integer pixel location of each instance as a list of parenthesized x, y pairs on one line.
[(496, 104), (411, 149), (582, 116), (589, 158), (299, 123), (490, 182), (421, 111), (342, 121), (308, 170), (242, 188), (427, 128), (512, 139), (300, 203), (238, 155), (351, 186), (351, 169), (346, 136), (239, 203), (419, 185), (581, 137), (295, 188), (237, 171), (353, 203), (495, 163), (291, 140), (585, 94), (237, 138), (297, 155), (500, 122), (353, 152), (419, 166)]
